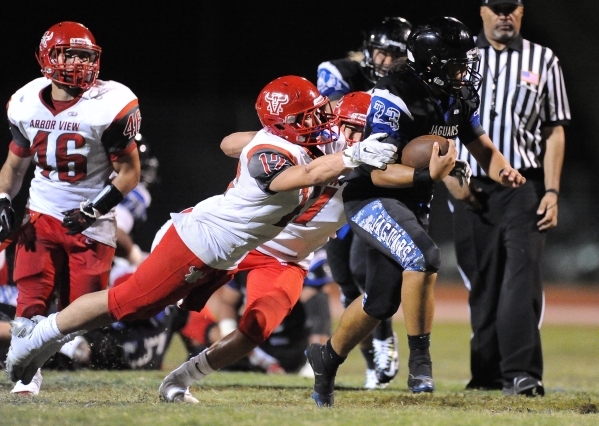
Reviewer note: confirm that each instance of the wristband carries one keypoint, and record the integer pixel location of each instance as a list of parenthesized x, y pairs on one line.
[(5, 195), (553, 191), (107, 199), (422, 178)]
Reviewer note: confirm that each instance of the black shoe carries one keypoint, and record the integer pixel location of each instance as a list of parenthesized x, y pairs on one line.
[(324, 381), (524, 385), (420, 378)]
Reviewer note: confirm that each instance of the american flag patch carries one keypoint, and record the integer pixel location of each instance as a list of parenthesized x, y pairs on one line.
[(529, 77)]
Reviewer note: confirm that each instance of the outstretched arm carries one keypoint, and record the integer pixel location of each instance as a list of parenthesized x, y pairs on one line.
[(329, 167), (494, 163)]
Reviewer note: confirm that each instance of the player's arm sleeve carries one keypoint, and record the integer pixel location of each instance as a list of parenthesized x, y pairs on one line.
[(265, 163), (20, 145), (471, 129), (119, 138)]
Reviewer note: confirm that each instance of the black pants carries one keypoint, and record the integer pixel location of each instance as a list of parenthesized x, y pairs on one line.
[(499, 255)]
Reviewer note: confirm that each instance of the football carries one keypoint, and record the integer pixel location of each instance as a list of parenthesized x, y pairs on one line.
[(417, 153)]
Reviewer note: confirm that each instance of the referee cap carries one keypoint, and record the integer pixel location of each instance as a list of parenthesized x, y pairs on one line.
[(495, 2)]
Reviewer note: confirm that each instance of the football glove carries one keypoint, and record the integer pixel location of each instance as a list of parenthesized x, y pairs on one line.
[(370, 151), (78, 220), (7, 218), (462, 172)]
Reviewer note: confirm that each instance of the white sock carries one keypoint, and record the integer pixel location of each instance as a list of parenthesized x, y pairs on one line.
[(191, 371), (201, 365), (46, 331)]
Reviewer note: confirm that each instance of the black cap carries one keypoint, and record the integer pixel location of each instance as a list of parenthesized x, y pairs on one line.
[(496, 2)]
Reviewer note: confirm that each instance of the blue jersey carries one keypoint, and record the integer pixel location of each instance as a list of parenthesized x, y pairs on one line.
[(405, 107)]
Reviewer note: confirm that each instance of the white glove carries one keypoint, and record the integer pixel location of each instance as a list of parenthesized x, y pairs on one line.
[(462, 172), (370, 151)]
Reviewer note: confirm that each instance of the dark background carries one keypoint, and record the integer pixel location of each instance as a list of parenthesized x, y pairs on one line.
[(197, 68)]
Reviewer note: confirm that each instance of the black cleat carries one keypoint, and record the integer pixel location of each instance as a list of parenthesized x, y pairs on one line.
[(524, 385), (420, 378), (324, 381)]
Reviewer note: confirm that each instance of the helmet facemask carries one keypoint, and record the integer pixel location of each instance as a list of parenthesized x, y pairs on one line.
[(313, 127), (456, 77), (72, 66)]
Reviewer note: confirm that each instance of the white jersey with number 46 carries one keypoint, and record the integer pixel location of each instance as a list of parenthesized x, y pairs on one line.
[(73, 145)]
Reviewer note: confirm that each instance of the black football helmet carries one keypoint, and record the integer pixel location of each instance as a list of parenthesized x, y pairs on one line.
[(391, 35), (443, 53)]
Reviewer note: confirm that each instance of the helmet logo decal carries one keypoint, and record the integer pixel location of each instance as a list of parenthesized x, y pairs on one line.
[(46, 38), (77, 40), (276, 102)]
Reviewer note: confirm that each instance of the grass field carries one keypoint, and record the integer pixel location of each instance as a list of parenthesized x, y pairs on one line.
[(131, 398)]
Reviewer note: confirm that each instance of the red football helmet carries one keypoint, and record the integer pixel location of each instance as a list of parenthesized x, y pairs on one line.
[(352, 108), (69, 40), (291, 107)]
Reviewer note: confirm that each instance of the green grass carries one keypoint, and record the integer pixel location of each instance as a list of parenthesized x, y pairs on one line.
[(131, 398)]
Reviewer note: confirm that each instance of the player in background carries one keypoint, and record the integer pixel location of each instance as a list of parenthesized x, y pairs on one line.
[(360, 70), (383, 45), (282, 172), (76, 130), (433, 91), (276, 272)]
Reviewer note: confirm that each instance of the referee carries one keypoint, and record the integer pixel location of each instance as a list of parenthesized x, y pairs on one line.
[(499, 232)]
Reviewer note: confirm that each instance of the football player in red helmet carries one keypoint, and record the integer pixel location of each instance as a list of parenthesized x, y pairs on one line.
[(351, 110), (292, 108), (82, 171), (69, 55)]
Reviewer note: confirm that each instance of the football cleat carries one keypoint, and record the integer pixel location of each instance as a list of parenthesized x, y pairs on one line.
[(171, 390), (420, 378), (28, 352), (31, 389), (324, 381), (386, 358), (371, 382), (524, 385), (421, 383), (20, 328)]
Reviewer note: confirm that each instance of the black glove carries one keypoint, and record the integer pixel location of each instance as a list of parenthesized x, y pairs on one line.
[(78, 220), (7, 218)]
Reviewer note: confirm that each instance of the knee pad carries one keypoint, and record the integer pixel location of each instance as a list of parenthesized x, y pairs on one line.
[(380, 306), (432, 259)]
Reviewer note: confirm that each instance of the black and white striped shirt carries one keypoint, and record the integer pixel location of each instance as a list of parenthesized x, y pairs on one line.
[(523, 88)]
